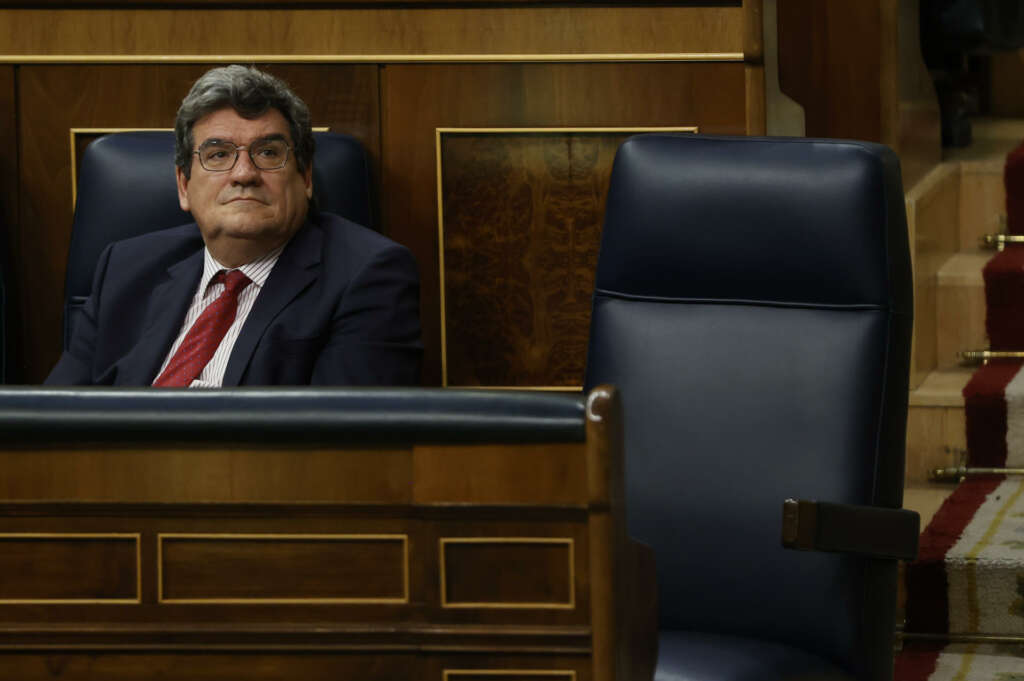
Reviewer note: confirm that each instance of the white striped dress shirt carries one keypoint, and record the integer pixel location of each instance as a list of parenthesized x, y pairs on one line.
[(212, 375)]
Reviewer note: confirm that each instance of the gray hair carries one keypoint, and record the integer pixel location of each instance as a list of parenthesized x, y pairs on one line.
[(251, 93)]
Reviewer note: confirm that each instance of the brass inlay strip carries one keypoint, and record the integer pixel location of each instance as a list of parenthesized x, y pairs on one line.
[(368, 58), (561, 673), (107, 131), (134, 536), (568, 541), (438, 133), (403, 538)]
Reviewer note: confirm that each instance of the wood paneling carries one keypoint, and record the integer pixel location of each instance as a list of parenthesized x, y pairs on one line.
[(418, 99), (830, 61), (495, 573), (349, 33), (54, 99), (9, 189), (67, 567), (545, 471), (335, 540), (135, 474), (283, 568), (521, 228)]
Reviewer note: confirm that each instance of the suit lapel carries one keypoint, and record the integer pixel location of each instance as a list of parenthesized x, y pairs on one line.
[(167, 308), (297, 268)]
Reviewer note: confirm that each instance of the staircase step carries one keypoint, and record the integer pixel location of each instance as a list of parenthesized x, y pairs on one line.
[(960, 306), (935, 423), (964, 581), (929, 661)]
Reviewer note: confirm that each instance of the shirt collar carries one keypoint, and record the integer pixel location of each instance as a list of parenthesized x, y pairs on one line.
[(257, 270)]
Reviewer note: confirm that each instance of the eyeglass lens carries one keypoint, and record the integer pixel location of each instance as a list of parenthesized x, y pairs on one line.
[(265, 154)]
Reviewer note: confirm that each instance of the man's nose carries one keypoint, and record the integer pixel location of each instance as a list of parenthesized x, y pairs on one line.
[(245, 171)]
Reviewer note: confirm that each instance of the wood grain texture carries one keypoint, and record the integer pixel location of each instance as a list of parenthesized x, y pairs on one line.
[(489, 475), (282, 568), (831, 56), (385, 30), (418, 99), (9, 195), (517, 572), (67, 568), (167, 475), (54, 99), (521, 232)]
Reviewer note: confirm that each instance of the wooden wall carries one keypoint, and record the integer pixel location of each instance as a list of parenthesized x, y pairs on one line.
[(392, 75)]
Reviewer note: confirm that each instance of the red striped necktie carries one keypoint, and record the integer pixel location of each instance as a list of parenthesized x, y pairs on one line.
[(203, 339)]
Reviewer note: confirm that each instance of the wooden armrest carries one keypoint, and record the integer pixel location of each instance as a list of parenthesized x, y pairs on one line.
[(865, 530)]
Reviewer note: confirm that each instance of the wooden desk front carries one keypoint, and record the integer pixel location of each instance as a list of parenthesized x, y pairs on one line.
[(146, 558)]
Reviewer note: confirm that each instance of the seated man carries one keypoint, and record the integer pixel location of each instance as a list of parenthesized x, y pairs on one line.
[(260, 290)]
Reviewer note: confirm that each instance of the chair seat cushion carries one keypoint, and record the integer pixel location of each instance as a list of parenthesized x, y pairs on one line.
[(693, 656)]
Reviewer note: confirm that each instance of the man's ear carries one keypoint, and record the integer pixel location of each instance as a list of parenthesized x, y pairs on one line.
[(182, 188), (307, 177)]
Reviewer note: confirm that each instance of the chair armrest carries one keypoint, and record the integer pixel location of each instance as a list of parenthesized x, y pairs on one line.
[(866, 530), (641, 615)]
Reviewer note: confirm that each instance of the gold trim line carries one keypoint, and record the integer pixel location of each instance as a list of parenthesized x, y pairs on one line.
[(561, 673), (368, 58)]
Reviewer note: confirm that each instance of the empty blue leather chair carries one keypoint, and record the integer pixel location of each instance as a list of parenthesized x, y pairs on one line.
[(126, 187), (753, 305)]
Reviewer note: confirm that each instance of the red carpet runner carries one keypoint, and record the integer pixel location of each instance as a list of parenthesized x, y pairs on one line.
[(969, 576)]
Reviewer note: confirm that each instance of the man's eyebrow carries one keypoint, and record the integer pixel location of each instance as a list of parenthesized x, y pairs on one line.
[(273, 137)]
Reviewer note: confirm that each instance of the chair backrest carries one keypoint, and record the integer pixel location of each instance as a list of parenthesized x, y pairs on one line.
[(753, 304), (126, 187)]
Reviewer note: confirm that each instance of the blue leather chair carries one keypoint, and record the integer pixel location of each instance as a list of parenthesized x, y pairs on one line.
[(753, 305), (134, 172)]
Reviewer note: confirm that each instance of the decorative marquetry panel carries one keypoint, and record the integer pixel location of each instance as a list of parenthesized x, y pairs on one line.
[(520, 214)]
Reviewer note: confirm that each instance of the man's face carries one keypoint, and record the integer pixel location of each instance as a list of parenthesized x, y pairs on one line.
[(244, 209)]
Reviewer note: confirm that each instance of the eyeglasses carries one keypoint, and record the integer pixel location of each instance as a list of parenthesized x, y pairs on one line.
[(266, 154)]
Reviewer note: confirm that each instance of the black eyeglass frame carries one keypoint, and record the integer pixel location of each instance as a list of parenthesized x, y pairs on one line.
[(248, 149)]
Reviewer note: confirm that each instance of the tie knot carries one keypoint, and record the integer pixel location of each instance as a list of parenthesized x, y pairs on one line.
[(234, 281)]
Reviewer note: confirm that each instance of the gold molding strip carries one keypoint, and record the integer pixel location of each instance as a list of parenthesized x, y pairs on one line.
[(368, 58), (569, 674), (438, 133), (403, 538), (134, 536), (568, 541), (108, 131)]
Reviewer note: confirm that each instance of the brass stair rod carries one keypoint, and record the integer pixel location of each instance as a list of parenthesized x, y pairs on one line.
[(999, 241), (983, 356), (958, 473)]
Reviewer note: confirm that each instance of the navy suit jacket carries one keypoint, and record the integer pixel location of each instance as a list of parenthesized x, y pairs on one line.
[(341, 307)]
